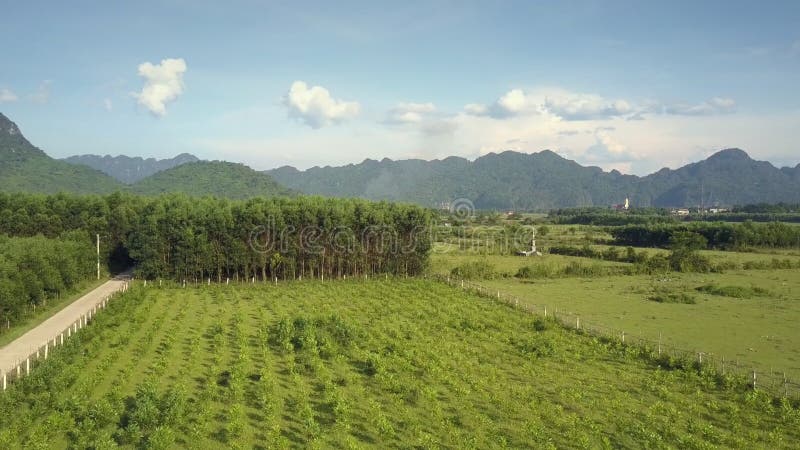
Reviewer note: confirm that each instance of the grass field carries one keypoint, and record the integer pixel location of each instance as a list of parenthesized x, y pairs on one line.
[(760, 330), (397, 363)]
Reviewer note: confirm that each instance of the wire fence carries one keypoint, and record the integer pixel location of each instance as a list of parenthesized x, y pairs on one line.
[(659, 351), (24, 365)]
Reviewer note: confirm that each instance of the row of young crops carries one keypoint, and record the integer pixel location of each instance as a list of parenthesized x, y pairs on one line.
[(381, 363)]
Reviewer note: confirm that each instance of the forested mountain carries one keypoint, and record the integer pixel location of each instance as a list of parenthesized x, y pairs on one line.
[(512, 180), (130, 170), (217, 178), (25, 168)]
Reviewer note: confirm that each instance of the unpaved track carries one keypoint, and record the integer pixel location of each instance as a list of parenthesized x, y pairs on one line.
[(16, 352)]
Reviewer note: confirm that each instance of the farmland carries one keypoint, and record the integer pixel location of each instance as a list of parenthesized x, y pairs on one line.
[(365, 363), (757, 330)]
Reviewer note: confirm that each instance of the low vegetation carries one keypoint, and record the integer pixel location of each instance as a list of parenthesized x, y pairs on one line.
[(379, 363)]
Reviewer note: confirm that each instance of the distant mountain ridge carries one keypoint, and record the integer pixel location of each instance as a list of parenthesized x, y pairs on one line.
[(508, 180), (544, 180), (25, 168), (128, 169)]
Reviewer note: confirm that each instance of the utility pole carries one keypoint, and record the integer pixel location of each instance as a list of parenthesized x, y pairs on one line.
[(98, 256)]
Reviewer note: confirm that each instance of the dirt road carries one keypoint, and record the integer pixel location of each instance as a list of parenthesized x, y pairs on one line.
[(17, 351)]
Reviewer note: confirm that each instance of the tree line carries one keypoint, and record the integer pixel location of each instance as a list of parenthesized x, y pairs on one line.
[(35, 269), (178, 237), (717, 235)]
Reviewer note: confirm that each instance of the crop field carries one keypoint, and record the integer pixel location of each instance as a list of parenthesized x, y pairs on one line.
[(381, 363)]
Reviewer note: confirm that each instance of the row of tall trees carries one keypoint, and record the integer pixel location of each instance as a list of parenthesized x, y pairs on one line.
[(180, 237), (717, 235), (35, 269)]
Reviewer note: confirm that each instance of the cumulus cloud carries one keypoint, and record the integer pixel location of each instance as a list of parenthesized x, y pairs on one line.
[(42, 94), (513, 103), (569, 106), (7, 96), (607, 149), (405, 113), (108, 104), (163, 84), (714, 106), (315, 107)]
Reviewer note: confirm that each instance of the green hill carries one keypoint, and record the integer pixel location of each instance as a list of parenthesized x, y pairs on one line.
[(217, 178), (26, 168), (128, 169)]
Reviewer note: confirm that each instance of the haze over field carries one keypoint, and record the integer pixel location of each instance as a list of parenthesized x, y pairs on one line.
[(620, 86)]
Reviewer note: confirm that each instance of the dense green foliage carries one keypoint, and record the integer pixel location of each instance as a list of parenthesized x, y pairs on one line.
[(607, 217), (718, 235), (35, 269), (368, 364), (129, 170), (217, 178), (545, 180), (180, 237)]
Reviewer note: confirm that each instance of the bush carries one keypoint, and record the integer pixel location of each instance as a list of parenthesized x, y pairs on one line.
[(474, 270), (734, 291), (673, 297)]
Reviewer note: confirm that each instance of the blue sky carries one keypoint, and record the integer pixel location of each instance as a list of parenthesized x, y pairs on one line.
[(628, 85)]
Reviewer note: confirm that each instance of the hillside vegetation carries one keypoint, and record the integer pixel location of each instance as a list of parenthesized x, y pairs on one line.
[(25, 168), (217, 178)]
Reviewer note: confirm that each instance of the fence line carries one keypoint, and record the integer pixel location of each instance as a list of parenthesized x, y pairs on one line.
[(36, 356), (775, 383)]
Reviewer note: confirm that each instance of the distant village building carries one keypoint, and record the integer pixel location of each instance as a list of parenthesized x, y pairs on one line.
[(623, 206), (680, 212)]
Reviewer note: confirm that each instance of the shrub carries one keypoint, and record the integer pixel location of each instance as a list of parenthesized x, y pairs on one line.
[(673, 297), (474, 270), (733, 291)]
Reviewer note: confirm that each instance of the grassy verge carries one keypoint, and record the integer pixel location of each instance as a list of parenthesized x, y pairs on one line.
[(43, 313)]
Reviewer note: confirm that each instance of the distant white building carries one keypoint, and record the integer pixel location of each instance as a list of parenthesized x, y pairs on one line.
[(680, 212)]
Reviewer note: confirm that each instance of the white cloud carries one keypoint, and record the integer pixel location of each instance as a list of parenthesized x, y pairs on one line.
[(513, 103), (163, 84), (571, 106), (405, 113), (315, 106), (608, 150), (7, 96), (108, 104), (714, 106), (42, 94)]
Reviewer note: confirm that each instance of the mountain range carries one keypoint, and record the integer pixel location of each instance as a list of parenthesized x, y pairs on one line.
[(544, 180), (130, 170), (26, 168), (507, 180)]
